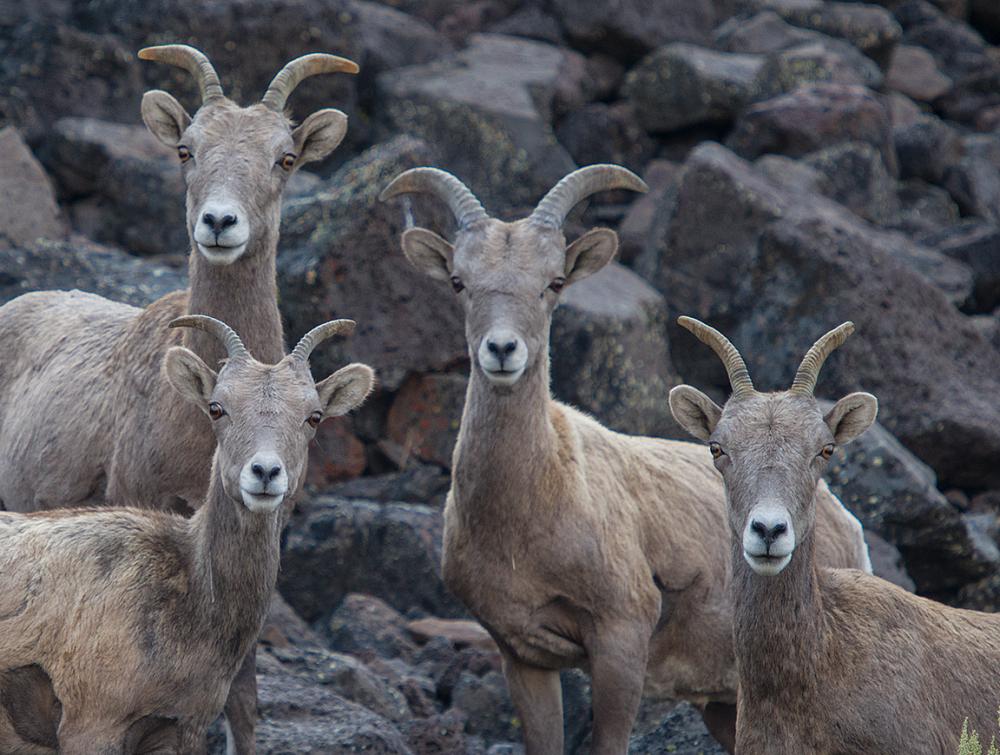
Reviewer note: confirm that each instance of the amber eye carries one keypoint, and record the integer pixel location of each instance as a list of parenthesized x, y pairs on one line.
[(456, 283), (183, 153), (716, 450), (287, 162), (557, 284), (827, 451), (215, 410), (314, 419)]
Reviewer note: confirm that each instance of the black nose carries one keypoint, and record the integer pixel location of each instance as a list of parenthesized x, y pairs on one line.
[(769, 534), (217, 224), (501, 350), (265, 475)]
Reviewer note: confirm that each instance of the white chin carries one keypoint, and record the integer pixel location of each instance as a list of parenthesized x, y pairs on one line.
[(259, 502), (221, 255), (767, 566), (504, 378)]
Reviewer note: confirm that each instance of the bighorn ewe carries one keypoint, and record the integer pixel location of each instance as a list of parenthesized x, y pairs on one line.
[(829, 660), (572, 544), (141, 618), (81, 394)]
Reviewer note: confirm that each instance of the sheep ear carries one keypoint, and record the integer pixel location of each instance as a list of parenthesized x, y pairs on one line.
[(345, 389), (319, 135), (694, 411), (589, 253), (190, 376), (851, 416), (428, 252), (164, 116)]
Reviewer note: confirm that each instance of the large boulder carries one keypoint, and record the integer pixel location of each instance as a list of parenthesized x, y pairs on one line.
[(814, 63), (977, 245), (335, 546), (28, 209), (630, 28), (958, 48), (488, 111), (926, 148), (914, 72), (610, 353), (813, 117), (683, 85), (858, 179), (871, 29), (341, 257), (755, 260), (974, 180), (606, 133), (425, 415)]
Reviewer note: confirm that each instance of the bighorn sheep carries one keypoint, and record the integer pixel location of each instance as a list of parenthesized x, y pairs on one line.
[(572, 544), (81, 394), (142, 618), (829, 660)]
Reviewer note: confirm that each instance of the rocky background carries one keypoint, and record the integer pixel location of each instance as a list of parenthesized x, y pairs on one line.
[(809, 162)]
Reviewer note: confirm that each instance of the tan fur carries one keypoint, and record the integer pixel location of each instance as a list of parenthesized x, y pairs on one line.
[(141, 619), (572, 544), (832, 660)]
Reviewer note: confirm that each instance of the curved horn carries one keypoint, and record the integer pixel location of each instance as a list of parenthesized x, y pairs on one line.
[(442, 184), (736, 368), (192, 60), (289, 77), (812, 362), (320, 333), (579, 185), (234, 345)]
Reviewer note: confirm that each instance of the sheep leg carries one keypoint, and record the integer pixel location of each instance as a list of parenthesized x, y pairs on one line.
[(720, 720), (617, 672), (79, 737), (537, 697), (241, 708)]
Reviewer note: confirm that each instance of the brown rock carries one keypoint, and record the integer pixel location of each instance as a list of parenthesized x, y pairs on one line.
[(28, 209), (461, 633), (336, 455), (425, 416), (914, 73)]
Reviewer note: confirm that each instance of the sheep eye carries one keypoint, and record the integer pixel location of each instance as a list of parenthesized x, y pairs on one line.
[(716, 450), (827, 451), (287, 162), (183, 153), (314, 419), (557, 284), (215, 410), (456, 283)]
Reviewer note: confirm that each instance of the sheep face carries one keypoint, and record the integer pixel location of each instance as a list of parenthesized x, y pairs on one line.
[(508, 278), (264, 417)]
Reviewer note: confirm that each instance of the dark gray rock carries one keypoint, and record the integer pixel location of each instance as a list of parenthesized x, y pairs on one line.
[(814, 63), (532, 22), (914, 72), (986, 15), (605, 133), (486, 704), (887, 561), (488, 111), (977, 245), (645, 222), (754, 260), (974, 181), (418, 483), (958, 48), (368, 627), (857, 178), (923, 208), (335, 546), (762, 33), (926, 148), (974, 98), (814, 117), (610, 353), (795, 175), (871, 29), (682, 85)]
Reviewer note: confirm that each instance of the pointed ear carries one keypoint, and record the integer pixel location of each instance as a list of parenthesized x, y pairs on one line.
[(589, 253), (319, 135), (694, 411), (428, 252), (190, 376), (164, 116), (851, 416), (345, 389)]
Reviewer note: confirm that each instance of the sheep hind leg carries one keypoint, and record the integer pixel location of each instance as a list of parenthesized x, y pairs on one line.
[(537, 697), (720, 720), (241, 709)]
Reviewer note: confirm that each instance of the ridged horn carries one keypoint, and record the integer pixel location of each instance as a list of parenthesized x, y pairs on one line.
[(233, 343), (736, 368), (442, 184), (579, 185), (295, 71), (320, 333), (812, 362), (193, 61)]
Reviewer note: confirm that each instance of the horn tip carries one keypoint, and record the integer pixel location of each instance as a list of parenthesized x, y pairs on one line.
[(146, 53), (688, 323)]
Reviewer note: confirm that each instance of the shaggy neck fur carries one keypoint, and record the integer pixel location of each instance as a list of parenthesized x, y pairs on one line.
[(236, 563), (243, 295), (505, 441), (778, 624)]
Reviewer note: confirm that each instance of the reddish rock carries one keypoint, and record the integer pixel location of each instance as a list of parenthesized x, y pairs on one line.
[(461, 633), (425, 416), (336, 454)]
